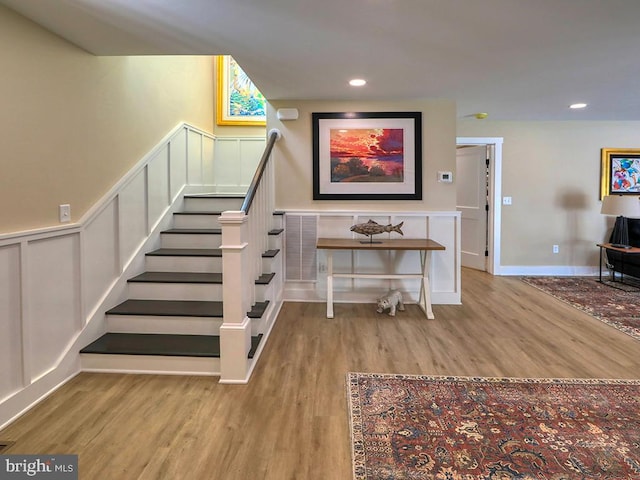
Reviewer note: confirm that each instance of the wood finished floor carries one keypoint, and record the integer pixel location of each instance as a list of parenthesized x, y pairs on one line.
[(291, 421)]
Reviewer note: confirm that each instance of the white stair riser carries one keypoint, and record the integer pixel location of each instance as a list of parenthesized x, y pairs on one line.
[(264, 323), (196, 221), (175, 291), (278, 221), (187, 240), (91, 362), (263, 292), (257, 326), (268, 264), (212, 204), (165, 325), (275, 242), (157, 263)]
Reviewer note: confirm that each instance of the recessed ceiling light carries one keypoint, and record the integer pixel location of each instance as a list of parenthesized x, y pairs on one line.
[(357, 82), (576, 106)]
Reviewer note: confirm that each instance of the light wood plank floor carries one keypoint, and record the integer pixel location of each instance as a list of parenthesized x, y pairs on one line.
[(291, 421)]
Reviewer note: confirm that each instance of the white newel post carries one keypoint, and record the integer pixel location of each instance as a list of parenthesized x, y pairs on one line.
[(235, 332)]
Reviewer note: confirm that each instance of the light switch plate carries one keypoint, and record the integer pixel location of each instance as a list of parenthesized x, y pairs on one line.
[(65, 213)]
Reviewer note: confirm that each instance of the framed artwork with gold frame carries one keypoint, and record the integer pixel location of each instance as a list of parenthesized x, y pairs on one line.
[(238, 100), (620, 171)]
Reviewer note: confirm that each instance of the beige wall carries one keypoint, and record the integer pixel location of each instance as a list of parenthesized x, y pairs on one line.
[(552, 172), (72, 124), (293, 155)]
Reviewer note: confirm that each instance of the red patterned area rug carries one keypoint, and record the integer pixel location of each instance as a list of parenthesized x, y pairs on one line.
[(464, 428), (613, 303)]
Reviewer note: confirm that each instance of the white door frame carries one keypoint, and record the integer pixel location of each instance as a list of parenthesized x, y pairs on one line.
[(495, 196)]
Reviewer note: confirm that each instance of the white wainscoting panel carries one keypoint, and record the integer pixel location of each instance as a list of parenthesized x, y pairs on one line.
[(57, 282), (158, 185), (236, 176), (178, 162), (194, 157), (337, 226), (208, 146), (101, 266), (10, 313), (53, 315), (442, 227), (250, 154), (225, 174), (445, 266), (132, 212)]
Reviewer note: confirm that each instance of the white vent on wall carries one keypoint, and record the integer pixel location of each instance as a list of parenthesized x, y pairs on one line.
[(301, 235)]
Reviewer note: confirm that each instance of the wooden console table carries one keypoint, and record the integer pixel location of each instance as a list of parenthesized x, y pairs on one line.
[(623, 251), (424, 246)]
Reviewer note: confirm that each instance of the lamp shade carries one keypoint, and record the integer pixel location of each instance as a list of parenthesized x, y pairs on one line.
[(621, 206)]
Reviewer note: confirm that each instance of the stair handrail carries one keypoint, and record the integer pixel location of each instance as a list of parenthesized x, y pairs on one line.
[(273, 136)]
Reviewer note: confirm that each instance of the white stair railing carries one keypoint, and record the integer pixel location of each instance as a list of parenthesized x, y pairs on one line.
[(245, 237)]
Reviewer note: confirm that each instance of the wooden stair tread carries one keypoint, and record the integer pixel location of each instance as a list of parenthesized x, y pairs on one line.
[(214, 195), (265, 278), (212, 213), (179, 308), (160, 345), (276, 231), (258, 309), (155, 344), (168, 308), (271, 253), (177, 277), (186, 252), (197, 231)]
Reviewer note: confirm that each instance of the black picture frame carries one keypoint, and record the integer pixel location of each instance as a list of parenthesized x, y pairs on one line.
[(367, 156)]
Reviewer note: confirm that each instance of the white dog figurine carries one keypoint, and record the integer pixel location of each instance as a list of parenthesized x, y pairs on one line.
[(391, 300)]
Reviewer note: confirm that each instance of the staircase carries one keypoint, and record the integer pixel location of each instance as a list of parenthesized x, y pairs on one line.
[(171, 320)]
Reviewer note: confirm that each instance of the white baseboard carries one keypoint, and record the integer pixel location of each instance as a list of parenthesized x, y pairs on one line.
[(548, 270)]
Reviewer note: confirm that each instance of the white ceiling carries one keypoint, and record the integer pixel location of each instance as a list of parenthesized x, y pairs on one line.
[(514, 59)]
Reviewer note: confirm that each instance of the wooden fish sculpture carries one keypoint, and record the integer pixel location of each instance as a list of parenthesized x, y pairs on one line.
[(374, 228)]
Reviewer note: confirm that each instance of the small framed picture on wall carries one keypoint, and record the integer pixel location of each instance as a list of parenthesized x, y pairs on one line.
[(238, 100), (620, 172)]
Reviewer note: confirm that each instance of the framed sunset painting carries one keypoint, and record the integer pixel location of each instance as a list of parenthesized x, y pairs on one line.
[(367, 156)]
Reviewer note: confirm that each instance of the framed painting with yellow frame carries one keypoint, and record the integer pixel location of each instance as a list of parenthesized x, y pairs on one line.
[(620, 171), (238, 101)]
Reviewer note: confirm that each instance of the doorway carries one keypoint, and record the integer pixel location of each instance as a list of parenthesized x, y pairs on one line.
[(472, 201), (479, 179)]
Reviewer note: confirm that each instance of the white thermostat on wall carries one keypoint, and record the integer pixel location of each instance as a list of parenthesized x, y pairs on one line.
[(445, 177)]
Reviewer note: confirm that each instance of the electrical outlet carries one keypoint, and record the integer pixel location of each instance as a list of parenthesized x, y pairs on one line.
[(65, 213), (556, 248), (506, 200), (322, 268)]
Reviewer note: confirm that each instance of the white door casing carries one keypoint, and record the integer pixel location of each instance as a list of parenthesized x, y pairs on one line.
[(494, 147)]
